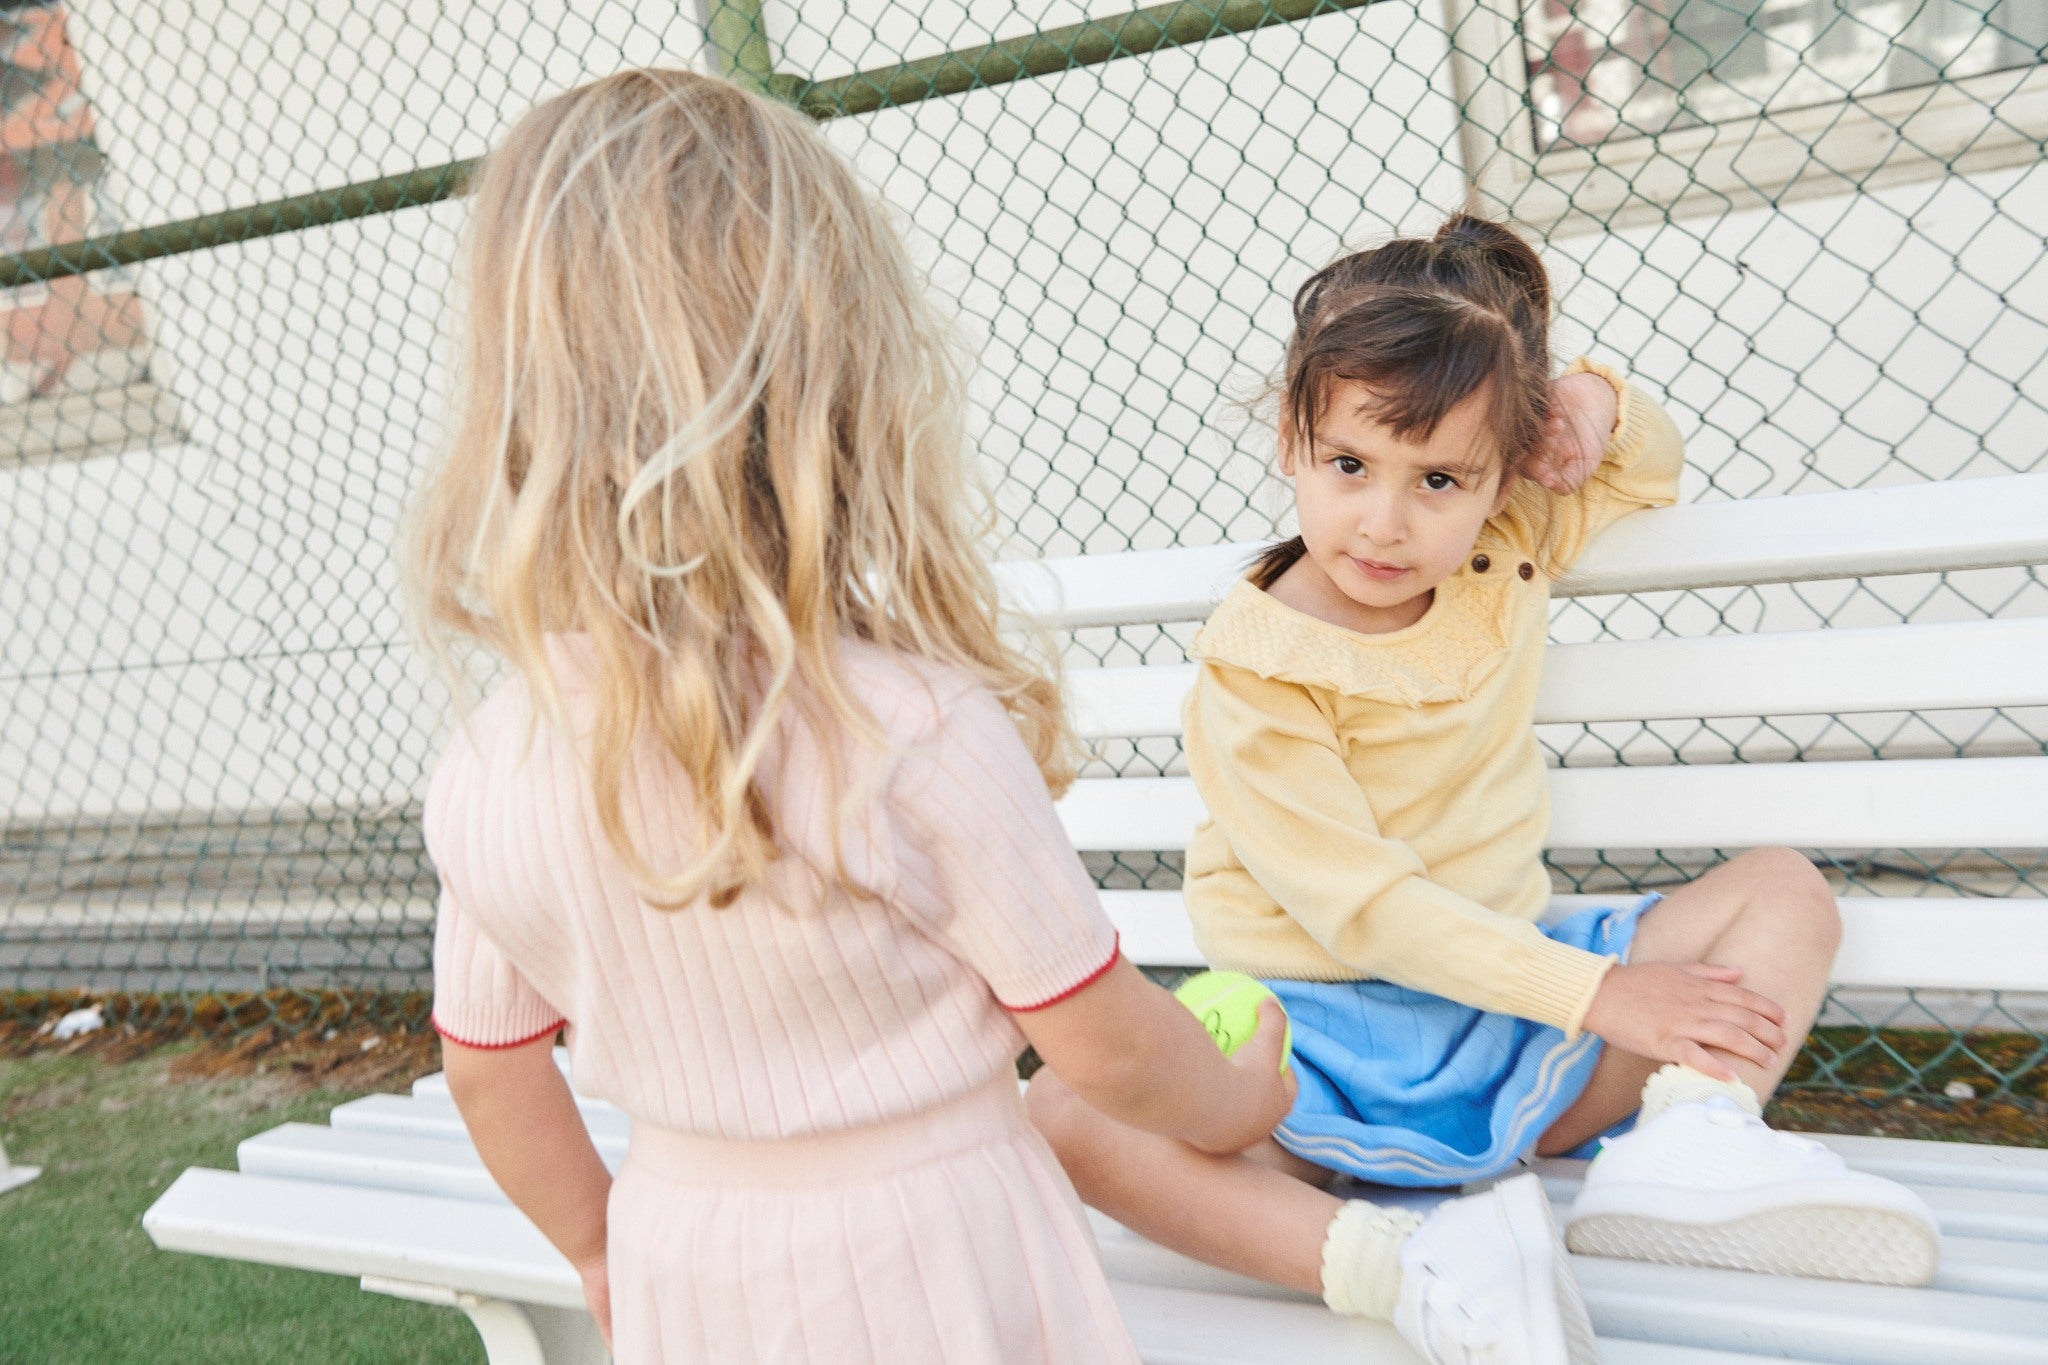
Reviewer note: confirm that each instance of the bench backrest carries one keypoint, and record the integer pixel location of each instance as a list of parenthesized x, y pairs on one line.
[(1936, 803)]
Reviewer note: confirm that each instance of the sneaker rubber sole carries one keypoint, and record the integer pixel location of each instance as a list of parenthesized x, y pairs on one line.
[(1556, 1307), (1844, 1229), (1581, 1347)]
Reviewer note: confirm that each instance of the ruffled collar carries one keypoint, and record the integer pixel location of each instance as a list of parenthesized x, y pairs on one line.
[(1459, 642)]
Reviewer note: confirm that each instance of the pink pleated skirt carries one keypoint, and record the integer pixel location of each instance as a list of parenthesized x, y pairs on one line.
[(950, 1237)]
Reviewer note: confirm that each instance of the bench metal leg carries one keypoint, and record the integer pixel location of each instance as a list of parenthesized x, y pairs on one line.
[(513, 1333)]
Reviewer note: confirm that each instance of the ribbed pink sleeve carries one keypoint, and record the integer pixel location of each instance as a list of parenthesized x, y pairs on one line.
[(480, 998), (986, 868)]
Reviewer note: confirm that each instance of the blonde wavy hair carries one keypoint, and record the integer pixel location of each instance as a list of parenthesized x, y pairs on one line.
[(705, 414)]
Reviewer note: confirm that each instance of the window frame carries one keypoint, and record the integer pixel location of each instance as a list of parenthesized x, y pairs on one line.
[(1893, 137), (83, 423)]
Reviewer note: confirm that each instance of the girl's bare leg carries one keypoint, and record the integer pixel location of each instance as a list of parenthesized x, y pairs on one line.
[(1768, 912), (1260, 1213)]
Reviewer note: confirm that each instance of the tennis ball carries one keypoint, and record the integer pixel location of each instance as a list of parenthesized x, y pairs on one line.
[(1227, 1003)]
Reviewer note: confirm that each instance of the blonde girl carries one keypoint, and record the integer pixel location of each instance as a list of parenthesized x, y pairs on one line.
[(1362, 734), (761, 819)]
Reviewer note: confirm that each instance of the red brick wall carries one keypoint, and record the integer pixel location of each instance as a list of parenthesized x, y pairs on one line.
[(76, 333)]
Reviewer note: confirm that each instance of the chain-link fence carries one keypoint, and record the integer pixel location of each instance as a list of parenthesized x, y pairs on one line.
[(1814, 227)]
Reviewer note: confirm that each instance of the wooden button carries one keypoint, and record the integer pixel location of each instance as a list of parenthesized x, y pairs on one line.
[(1527, 571), (1480, 563)]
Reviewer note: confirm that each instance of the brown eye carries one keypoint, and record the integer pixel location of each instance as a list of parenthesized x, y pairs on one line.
[(1437, 481)]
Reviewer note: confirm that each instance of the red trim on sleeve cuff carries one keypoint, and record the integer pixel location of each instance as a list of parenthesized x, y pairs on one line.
[(498, 1047), (1115, 951)]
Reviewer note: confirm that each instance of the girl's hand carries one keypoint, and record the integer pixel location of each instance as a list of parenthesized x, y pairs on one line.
[(597, 1293), (1266, 1093), (1583, 409), (1673, 1012)]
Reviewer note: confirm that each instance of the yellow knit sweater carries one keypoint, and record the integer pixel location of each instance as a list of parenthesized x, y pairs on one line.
[(1378, 803)]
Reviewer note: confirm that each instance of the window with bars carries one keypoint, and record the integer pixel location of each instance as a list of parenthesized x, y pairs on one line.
[(1610, 69), (1592, 114)]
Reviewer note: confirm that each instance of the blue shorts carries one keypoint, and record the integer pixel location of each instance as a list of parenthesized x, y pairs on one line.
[(1399, 1087)]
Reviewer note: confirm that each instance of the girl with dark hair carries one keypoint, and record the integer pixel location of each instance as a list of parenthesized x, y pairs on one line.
[(1362, 733)]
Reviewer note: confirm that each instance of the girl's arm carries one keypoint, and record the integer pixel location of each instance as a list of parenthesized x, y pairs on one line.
[(523, 1120), (1141, 1057), (1263, 756), (1610, 451), (984, 869), (1270, 770)]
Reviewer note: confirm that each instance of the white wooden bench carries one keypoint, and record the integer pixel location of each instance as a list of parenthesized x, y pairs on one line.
[(391, 1191)]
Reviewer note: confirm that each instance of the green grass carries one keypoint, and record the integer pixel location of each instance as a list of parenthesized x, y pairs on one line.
[(81, 1284)]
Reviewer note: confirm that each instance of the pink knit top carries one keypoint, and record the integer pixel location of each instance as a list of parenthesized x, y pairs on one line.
[(799, 1008)]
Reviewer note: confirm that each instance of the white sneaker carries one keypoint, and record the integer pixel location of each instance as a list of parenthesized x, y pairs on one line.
[(1485, 1281), (1706, 1183)]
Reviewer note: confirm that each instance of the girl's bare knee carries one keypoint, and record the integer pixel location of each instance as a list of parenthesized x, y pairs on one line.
[(1774, 867), (1795, 894)]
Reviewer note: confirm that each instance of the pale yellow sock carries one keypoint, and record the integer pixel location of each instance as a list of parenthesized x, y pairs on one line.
[(1362, 1258), (1674, 1084)]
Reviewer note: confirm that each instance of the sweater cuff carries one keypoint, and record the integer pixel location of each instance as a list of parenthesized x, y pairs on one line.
[(1556, 984)]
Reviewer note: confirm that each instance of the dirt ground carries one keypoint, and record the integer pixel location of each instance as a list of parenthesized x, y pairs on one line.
[(358, 1053), (352, 1052), (2010, 1122)]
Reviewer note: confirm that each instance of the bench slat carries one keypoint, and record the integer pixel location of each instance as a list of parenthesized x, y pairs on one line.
[(1954, 666), (1179, 1327), (1990, 1194), (1916, 803), (427, 1117), (1856, 533), (1935, 943), (488, 1249), (1853, 533), (1896, 803), (1971, 1165), (1810, 1319), (1865, 1324), (383, 1159)]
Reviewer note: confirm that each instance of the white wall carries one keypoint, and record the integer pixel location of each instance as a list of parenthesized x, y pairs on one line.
[(215, 626)]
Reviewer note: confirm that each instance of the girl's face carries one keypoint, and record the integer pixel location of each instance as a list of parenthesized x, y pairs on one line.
[(1386, 519)]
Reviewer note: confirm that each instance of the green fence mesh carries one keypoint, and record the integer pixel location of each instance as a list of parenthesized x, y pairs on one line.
[(1814, 227)]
